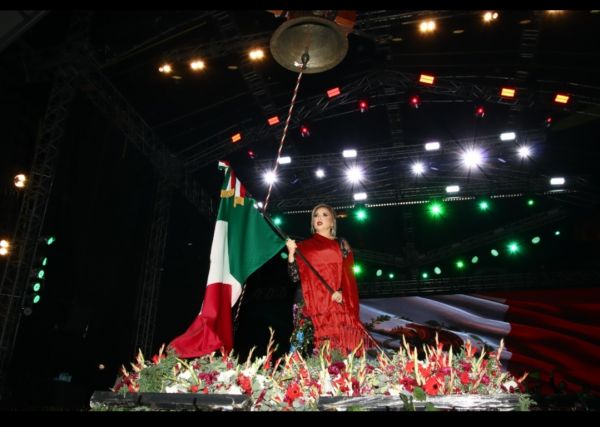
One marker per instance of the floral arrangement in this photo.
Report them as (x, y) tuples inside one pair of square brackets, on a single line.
[(296, 383)]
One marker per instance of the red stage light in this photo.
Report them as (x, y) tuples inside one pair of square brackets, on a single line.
[(273, 120), (363, 106), (415, 101), (480, 112), (304, 131), (333, 92)]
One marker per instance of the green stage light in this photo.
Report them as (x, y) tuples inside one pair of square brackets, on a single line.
[(436, 209), (513, 247), (437, 270), (484, 205), (536, 240), (460, 264), (284, 255), (277, 220), (41, 274), (391, 275), (37, 286), (36, 299), (50, 240), (424, 275), (494, 252), (557, 233), (475, 259), (530, 202), (357, 269), (361, 215), (379, 273), (44, 261)]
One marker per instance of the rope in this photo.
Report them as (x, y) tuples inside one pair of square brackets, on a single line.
[(305, 59), (237, 314)]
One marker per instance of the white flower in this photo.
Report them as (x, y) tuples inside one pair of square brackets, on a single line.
[(185, 375), (261, 379), (226, 376), (175, 388), (234, 389)]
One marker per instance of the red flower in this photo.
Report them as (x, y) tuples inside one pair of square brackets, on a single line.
[(245, 383), (355, 387), (194, 389), (466, 366), (485, 380), (336, 367), (292, 393), (464, 378), (408, 383), (432, 386)]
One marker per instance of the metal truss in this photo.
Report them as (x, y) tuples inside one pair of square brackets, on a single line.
[(149, 285), (387, 87), (114, 105), (32, 213), (470, 284)]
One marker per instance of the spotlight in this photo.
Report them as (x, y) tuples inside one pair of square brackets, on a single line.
[(524, 151), (236, 138), (251, 154), (270, 177), (415, 101), (548, 121), (20, 180), (561, 98), (320, 173), (333, 92), (273, 120), (479, 112), (418, 168), (304, 132), (507, 92), (363, 105), (426, 79), (354, 174), (197, 65)]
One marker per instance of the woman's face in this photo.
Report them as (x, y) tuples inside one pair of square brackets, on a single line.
[(322, 221)]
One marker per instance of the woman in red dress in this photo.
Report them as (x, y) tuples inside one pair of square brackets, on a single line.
[(333, 309)]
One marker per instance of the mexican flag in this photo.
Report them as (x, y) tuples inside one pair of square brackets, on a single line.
[(553, 334), (242, 242)]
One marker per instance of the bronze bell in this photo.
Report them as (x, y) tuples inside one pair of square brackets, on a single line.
[(322, 39)]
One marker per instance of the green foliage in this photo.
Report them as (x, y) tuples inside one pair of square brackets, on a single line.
[(153, 378)]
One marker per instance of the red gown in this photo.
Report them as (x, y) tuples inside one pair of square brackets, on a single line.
[(338, 323)]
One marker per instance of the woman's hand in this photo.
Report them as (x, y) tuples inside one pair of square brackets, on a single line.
[(291, 246), (337, 297)]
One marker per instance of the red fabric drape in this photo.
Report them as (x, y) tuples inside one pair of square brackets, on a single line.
[(338, 323)]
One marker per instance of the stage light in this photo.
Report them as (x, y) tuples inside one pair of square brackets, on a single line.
[(452, 189), (479, 112), (508, 136), (391, 275), (304, 131), (349, 153), (424, 275), (415, 101), (357, 268), (507, 92), (270, 177), (3, 251), (557, 233), (360, 196), (530, 202), (472, 158), (557, 181), (426, 79), (165, 69), (379, 273), (536, 240), (436, 209), (561, 98), (333, 92), (277, 220), (460, 264), (513, 247), (484, 205), (363, 105), (251, 154), (49, 240), (427, 26), (494, 252), (320, 173), (524, 151), (20, 180), (197, 65), (418, 168), (283, 255), (273, 120), (432, 146), (285, 160), (237, 137), (354, 174), (475, 259), (256, 54), (548, 121), (490, 16), (437, 270)]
